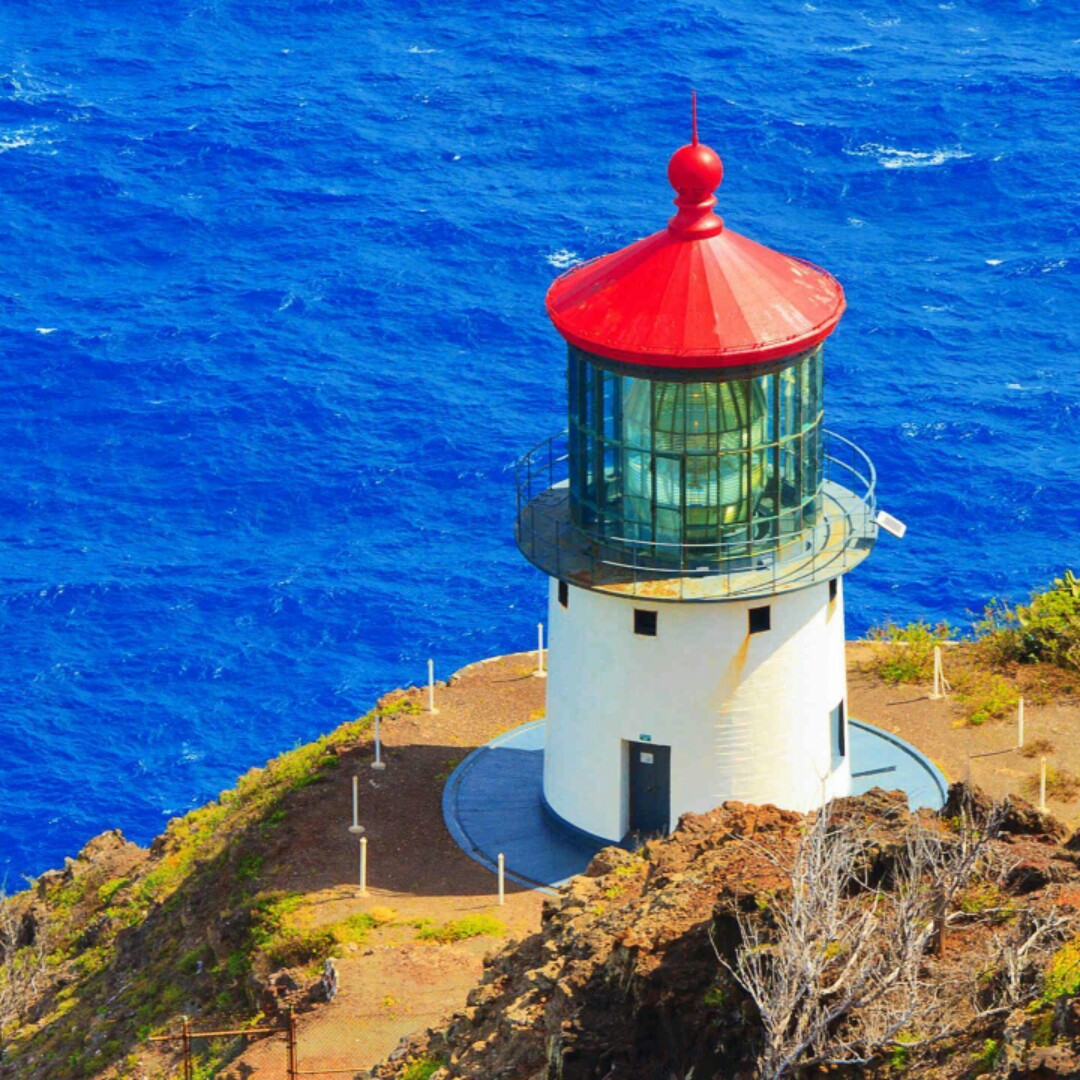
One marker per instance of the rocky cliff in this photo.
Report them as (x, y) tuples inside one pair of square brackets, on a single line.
[(948, 950)]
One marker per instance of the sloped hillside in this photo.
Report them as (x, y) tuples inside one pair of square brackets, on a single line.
[(755, 942)]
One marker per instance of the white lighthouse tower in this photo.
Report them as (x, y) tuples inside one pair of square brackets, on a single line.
[(696, 520)]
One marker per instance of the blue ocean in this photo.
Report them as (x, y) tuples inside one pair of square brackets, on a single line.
[(273, 334)]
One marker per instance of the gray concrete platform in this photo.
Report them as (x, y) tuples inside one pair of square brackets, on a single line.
[(493, 801)]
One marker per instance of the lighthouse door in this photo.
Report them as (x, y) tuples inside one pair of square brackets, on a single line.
[(650, 787)]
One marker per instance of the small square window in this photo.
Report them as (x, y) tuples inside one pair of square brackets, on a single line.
[(564, 594), (644, 622), (760, 619), (833, 589)]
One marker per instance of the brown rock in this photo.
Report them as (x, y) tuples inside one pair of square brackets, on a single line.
[(608, 859), (1049, 1063)]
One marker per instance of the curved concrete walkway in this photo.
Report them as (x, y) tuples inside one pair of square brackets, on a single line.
[(493, 801)]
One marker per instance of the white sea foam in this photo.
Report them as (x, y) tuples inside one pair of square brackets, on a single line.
[(994, 262), (890, 157), (45, 329), (14, 141), (417, 51), (563, 259)]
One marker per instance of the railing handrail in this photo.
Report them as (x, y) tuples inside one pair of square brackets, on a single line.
[(792, 551), (543, 449)]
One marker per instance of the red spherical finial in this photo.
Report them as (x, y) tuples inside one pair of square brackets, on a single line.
[(695, 172), (695, 169)]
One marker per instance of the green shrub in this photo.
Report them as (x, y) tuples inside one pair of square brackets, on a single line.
[(460, 929), (909, 654), (982, 897), (1046, 629), (293, 948), (988, 1056), (422, 1068), (250, 866), (111, 888), (355, 929), (985, 696), (1063, 975)]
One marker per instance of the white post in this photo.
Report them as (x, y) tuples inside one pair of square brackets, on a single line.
[(431, 687), (540, 673), (502, 879), (1020, 724), (935, 694), (378, 763), (1042, 787), (357, 830), (355, 801)]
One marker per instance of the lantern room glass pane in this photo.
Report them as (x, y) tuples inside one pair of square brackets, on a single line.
[(717, 469)]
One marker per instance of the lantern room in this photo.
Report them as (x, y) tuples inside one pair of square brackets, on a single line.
[(729, 467)]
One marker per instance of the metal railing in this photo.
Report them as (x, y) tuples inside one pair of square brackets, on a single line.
[(783, 551)]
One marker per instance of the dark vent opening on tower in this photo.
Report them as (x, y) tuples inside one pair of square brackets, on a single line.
[(839, 737), (760, 619), (832, 589), (564, 594), (644, 622)]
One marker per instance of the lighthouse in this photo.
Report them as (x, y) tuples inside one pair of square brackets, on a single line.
[(696, 520)]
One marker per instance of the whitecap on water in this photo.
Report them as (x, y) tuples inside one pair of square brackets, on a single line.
[(563, 259), (45, 329), (890, 157)]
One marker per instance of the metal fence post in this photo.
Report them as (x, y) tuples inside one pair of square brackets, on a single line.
[(290, 1036), (185, 1046)]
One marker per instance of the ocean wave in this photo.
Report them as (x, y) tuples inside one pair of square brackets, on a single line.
[(891, 157), (563, 259)]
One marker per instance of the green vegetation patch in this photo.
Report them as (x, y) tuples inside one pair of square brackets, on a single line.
[(423, 1068), (909, 653), (1063, 974), (461, 929), (987, 1058), (1045, 630)]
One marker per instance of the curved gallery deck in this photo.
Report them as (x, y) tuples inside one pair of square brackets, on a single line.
[(493, 801)]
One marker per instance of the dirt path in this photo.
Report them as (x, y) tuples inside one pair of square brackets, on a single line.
[(988, 753), (393, 983)]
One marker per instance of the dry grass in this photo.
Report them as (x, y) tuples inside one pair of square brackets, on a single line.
[(1038, 748), (1060, 784)]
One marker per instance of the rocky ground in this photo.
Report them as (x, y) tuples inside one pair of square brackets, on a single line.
[(624, 981)]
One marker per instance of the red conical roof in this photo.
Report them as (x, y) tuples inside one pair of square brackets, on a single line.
[(695, 295)]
